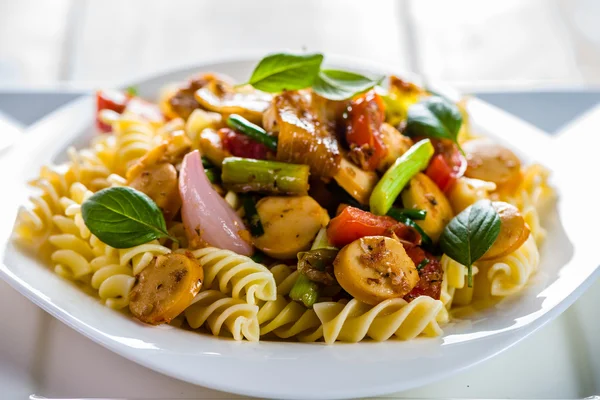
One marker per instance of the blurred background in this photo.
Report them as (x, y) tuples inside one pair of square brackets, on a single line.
[(473, 44)]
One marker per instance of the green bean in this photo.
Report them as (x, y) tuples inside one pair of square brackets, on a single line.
[(251, 130), (272, 177), (305, 290), (398, 175)]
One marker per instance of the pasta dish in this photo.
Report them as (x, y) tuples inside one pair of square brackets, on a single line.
[(306, 204)]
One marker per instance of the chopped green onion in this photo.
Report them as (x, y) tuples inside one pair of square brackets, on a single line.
[(212, 174), (272, 177), (412, 213), (398, 175), (206, 163), (305, 291), (423, 263), (256, 228), (251, 130), (425, 239)]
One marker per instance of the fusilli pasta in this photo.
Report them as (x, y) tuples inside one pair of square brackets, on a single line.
[(236, 275), (353, 321), (219, 311)]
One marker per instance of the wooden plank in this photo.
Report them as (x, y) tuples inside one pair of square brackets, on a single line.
[(122, 40)]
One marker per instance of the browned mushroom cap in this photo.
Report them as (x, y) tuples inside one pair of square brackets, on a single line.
[(165, 288), (159, 182), (513, 231), (491, 162), (224, 98)]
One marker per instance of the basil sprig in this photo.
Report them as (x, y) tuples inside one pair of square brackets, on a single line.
[(334, 84), (123, 217), (470, 234), (434, 117), (278, 72), (283, 71)]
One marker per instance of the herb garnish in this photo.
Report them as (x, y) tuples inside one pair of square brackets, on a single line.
[(123, 217), (470, 234), (284, 71), (434, 117)]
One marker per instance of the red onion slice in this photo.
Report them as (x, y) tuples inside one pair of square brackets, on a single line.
[(206, 215)]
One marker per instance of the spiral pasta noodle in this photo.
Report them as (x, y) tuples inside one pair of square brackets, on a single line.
[(236, 275), (510, 273), (134, 138), (224, 315), (354, 321)]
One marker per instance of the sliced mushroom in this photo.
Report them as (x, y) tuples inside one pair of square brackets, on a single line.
[(155, 174), (490, 161), (513, 231), (424, 194), (222, 97), (290, 224), (165, 288), (375, 268)]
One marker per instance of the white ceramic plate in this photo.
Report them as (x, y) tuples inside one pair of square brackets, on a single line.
[(570, 261)]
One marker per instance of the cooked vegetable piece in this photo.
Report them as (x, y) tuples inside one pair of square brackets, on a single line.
[(220, 96), (353, 223), (155, 174), (207, 217), (211, 146), (113, 100), (240, 145), (256, 228), (165, 288), (447, 165), (395, 143), (423, 194), (315, 266), (402, 217), (305, 291), (468, 191), (304, 136), (399, 97), (364, 118), (375, 268), (248, 175), (513, 231), (490, 161), (412, 213), (182, 103), (251, 130), (160, 183), (431, 274), (290, 225), (398, 175), (356, 182)]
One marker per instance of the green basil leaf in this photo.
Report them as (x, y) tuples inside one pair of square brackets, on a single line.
[(434, 117), (123, 217), (282, 71), (340, 85), (471, 233)]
